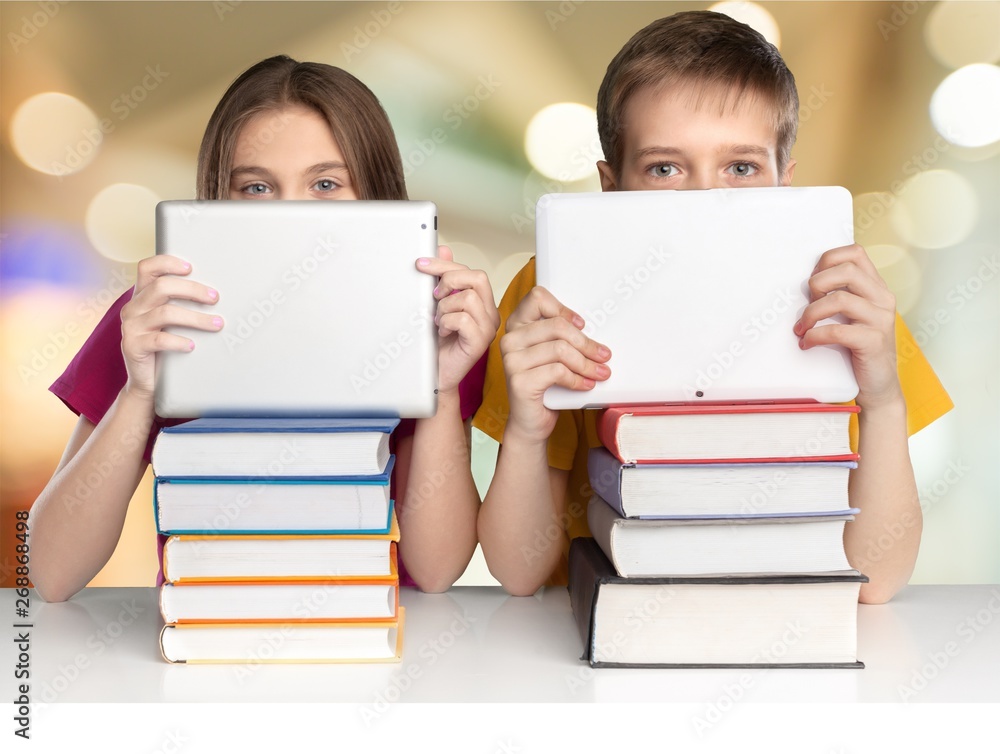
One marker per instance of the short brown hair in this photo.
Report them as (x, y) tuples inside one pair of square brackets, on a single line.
[(357, 120), (698, 47)]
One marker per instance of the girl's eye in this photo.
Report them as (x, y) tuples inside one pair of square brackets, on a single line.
[(743, 169), (256, 188), (325, 184), (663, 171)]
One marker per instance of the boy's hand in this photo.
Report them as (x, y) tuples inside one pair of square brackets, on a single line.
[(544, 346), (466, 316), (845, 282)]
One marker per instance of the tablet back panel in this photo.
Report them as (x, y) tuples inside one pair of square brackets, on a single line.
[(325, 312), (696, 292)]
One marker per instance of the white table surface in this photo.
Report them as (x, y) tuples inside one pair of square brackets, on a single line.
[(476, 644)]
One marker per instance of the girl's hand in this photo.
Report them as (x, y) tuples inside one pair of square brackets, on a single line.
[(466, 316), (544, 345), (845, 282), (158, 280)]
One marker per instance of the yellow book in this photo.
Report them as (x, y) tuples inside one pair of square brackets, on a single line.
[(275, 643)]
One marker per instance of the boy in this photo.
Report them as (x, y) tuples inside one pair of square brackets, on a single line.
[(695, 101)]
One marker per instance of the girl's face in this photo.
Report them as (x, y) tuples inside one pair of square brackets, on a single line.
[(289, 154)]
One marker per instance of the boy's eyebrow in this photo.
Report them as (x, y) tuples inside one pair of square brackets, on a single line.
[(744, 149), (752, 149)]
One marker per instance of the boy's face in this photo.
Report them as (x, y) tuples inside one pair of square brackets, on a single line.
[(670, 141)]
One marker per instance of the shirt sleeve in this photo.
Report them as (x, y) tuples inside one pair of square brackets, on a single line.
[(925, 396)]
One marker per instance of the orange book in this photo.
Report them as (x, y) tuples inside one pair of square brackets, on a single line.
[(347, 599), (247, 558), (727, 433), (256, 643)]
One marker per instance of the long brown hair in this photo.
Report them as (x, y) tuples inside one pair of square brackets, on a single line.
[(356, 118), (705, 48)]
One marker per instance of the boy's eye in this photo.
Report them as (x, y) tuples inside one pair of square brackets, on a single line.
[(743, 169), (663, 171)]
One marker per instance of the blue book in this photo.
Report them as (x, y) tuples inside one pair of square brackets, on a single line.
[(721, 490), (273, 448), (290, 505)]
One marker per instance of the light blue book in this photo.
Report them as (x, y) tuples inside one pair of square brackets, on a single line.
[(721, 490)]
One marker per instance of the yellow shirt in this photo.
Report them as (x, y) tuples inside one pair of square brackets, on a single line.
[(575, 434)]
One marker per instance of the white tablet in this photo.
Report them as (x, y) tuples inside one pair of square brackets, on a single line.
[(696, 292), (325, 312)]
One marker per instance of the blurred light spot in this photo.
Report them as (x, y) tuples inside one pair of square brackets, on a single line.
[(965, 108), (901, 273), (958, 34), (754, 16), (34, 252), (871, 218), (121, 222), (505, 270), (561, 141), (935, 209), (55, 133)]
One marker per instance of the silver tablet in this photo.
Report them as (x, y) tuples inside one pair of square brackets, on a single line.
[(325, 312), (696, 292)]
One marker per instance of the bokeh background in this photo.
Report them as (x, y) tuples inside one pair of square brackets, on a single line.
[(102, 106)]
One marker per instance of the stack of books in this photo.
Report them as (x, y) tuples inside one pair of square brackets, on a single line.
[(281, 541), (717, 538)]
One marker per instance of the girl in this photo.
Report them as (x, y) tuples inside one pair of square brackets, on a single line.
[(283, 130)]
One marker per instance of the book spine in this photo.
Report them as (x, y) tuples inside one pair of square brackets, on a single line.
[(605, 473)]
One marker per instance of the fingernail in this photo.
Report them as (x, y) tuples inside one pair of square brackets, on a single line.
[(797, 328), (588, 383), (423, 262), (578, 321), (436, 290), (217, 323), (213, 294), (191, 346), (603, 370), (186, 265), (603, 351), (802, 343)]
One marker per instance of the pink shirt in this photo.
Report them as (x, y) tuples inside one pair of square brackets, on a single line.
[(96, 375)]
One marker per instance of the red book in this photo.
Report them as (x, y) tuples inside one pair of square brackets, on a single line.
[(730, 433)]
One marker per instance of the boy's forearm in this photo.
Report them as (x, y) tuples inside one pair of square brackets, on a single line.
[(438, 513), (77, 520), (883, 541), (518, 517)]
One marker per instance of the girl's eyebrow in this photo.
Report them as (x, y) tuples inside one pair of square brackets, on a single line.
[(249, 169), (324, 166)]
